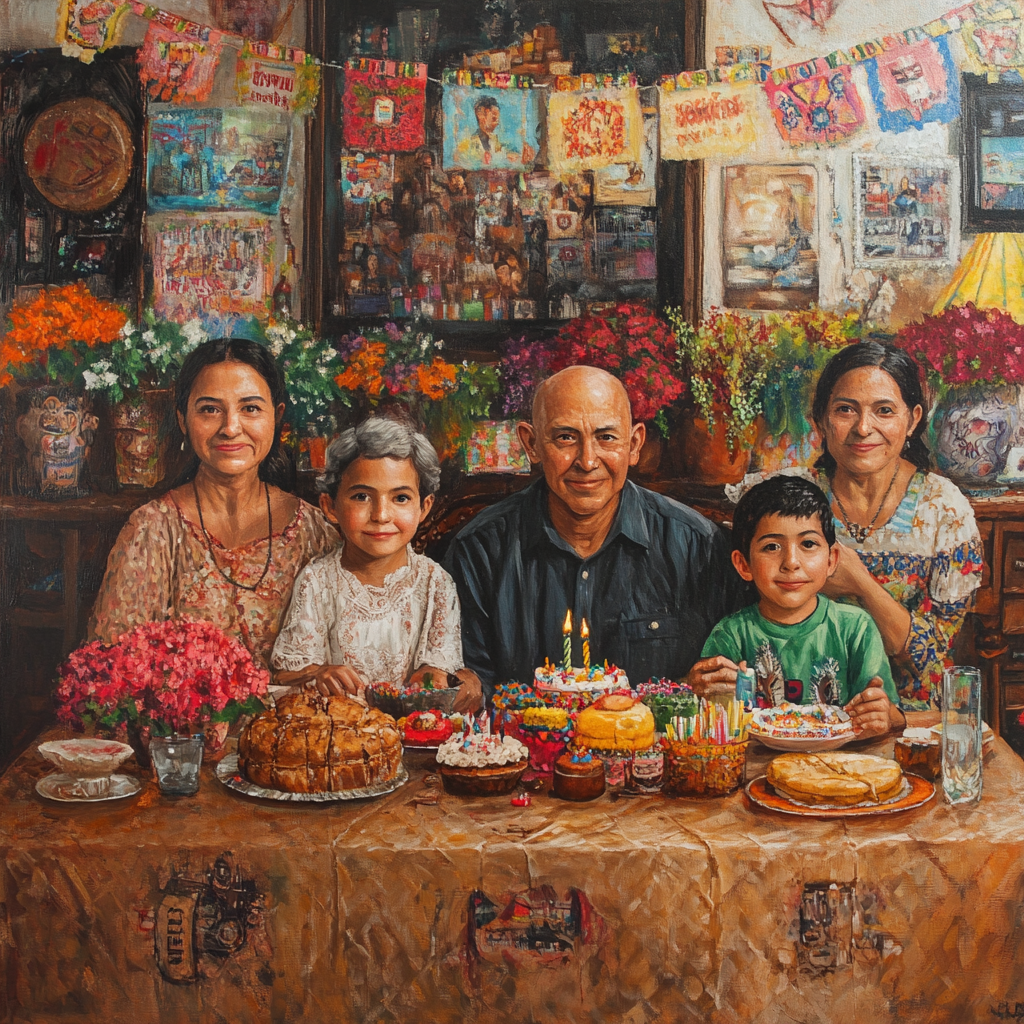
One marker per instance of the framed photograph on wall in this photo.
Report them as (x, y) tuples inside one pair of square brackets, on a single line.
[(993, 155), (906, 212)]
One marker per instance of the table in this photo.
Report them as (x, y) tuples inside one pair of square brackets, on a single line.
[(636, 908)]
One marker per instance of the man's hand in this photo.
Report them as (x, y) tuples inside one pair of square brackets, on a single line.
[(340, 681), (713, 676), (872, 713), (438, 679), (471, 692)]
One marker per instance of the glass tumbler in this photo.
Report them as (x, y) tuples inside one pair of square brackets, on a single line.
[(961, 734), (176, 761)]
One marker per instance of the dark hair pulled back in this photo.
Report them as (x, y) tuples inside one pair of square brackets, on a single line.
[(903, 370), (277, 468)]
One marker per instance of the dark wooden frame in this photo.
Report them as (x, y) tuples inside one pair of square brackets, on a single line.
[(680, 196), (979, 96)]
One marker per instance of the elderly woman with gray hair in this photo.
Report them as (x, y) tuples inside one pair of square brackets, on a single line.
[(373, 610)]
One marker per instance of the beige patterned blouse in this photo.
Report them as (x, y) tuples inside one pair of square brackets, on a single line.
[(160, 568)]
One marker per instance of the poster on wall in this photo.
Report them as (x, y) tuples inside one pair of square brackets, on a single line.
[(490, 129), (912, 85), (994, 40), (820, 105), (383, 111), (212, 267), (179, 67), (770, 236), (709, 123), (633, 184), (906, 211), (594, 128), (213, 159)]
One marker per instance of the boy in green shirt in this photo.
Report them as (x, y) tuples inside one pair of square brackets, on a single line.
[(804, 647)]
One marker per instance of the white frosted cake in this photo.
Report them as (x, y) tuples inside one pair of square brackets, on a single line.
[(600, 679)]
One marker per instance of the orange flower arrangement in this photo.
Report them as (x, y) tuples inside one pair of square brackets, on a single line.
[(363, 372), (436, 380), (53, 331)]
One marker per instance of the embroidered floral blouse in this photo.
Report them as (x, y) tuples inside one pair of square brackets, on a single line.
[(928, 557), (160, 568), (385, 633)]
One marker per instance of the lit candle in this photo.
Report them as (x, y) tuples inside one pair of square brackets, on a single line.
[(567, 639), (585, 633)]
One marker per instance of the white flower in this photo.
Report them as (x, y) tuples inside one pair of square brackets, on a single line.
[(128, 330), (101, 365), (92, 381), (194, 333), (149, 337)]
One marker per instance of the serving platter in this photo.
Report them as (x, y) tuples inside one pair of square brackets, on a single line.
[(803, 744), (915, 793), (227, 772), (67, 789)]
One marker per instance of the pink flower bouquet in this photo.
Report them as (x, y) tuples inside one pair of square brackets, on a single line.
[(168, 676)]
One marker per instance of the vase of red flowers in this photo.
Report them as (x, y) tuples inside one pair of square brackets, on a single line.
[(176, 677), (974, 360)]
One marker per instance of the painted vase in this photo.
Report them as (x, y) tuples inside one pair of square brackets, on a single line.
[(705, 454), (972, 429), (57, 429), (140, 438)]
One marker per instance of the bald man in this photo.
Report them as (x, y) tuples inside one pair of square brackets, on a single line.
[(650, 576)]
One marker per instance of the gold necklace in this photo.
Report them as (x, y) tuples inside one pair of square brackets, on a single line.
[(861, 533)]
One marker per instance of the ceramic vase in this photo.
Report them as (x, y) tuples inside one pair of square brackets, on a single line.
[(140, 438), (972, 429), (57, 430), (705, 454)]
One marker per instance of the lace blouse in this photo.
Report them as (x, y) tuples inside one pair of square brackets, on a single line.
[(385, 633), (160, 568)]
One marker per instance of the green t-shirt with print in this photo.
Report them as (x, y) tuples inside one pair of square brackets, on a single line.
[(840, 641)]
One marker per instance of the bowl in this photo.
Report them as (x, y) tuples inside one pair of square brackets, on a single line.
[(405, 703), (803, 744), (86, 758), (497, 781)]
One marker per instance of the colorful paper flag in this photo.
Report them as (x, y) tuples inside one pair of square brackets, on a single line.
[(912, 85), (383, 111), (88, 27), (282, 85), (699, 124), (994, 40), (815, 104), (176, 68), (592, 129)]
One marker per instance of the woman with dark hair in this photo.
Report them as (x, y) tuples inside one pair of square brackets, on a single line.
[(226, 543), (910, 552)]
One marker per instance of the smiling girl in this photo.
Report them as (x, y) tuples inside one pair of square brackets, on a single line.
[(374, 610)]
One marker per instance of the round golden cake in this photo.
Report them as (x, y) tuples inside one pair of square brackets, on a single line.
[(314, 744), (615, 722), (835, 777)]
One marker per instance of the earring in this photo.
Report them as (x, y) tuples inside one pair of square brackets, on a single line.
[(906, 446), (183, 444)]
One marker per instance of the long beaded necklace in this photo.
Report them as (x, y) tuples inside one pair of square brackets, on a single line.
[(209, 543), (861, 533)]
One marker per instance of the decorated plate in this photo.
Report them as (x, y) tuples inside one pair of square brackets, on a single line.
[(800, 728), (802, 744), (67, 789), (227, 772), (915, 793)]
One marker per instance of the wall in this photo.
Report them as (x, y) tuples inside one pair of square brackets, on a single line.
[(30, 24), (738, 22)]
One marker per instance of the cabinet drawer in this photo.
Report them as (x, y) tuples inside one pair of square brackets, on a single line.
[(1013, 565)]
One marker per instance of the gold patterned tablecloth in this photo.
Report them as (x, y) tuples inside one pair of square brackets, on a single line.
[(627, 909)]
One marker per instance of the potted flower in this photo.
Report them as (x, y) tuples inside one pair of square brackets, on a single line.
[(392, 368), (161, 679), (50, 342), (727, 358), (136, 373), (803, 340), (974, 360)]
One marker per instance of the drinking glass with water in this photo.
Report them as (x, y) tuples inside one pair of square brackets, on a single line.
[(961, 734), (177, 760)]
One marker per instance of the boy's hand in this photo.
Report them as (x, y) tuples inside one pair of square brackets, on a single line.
[(711, 676), (340, 681), (872, 713)]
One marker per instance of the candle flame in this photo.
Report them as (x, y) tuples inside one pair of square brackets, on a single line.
[(567, 626), (583, 628)]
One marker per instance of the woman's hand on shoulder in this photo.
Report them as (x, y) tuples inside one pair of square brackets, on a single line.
[(872, 713), (851, 577)]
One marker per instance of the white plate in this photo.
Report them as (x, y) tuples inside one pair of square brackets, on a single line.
[(66, 789), (803, 744), (227, 772)]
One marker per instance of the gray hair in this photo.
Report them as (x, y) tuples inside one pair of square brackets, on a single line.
[(381, 438)]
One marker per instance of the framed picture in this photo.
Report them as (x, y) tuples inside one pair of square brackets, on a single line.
[(770, 235), (993, 155), (905, 211)]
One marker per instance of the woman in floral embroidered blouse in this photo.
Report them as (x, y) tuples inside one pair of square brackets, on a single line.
[(227, 544), (911, 553)]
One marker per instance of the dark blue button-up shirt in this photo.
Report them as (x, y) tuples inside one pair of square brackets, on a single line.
[(650, 595)]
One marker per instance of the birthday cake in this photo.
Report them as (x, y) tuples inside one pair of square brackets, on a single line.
[(802, 721), (597, 679), (578, 776), (616, 721), (425, 728), (480, 764)]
